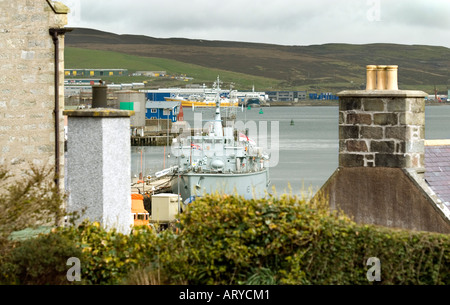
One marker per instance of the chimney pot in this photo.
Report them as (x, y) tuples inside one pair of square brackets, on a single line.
[(99, 96), (392, 79), (381, 77), (371, 77)]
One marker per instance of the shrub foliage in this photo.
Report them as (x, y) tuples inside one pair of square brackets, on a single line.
[(228, 240), (223, 239)]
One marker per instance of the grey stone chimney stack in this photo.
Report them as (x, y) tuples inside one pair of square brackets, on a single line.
[(99, 166), (380, 179), (382, 126)]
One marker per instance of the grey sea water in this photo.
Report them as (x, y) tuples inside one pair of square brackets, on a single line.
[(307, 149)]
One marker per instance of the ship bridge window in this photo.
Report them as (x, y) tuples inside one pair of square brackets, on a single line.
[(142, 217)]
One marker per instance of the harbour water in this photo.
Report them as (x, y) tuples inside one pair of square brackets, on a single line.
[(307, 149)]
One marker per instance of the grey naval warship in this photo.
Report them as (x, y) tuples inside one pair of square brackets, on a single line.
[(220, 160)]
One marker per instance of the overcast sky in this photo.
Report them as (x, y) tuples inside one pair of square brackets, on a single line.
[(285, 22)]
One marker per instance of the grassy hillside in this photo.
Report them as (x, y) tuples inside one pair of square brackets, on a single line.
[(95, 59), (329, 67)]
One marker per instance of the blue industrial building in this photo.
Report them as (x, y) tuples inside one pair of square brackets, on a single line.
[(323, 96), (157, 96), (162, 110)]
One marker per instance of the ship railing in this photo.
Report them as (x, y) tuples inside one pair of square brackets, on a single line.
[(228, 171)]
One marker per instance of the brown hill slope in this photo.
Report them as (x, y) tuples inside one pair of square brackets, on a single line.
[(335, 65)]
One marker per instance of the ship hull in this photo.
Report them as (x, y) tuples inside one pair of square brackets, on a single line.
[(253, 103), (249, 185), (188, 103), (207, 104)]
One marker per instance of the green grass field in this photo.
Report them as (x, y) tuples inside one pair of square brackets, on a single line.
[(76, 58), (328, 68)]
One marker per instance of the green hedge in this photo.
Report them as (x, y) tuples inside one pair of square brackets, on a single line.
[(285, 240), (108, 256), (39, 261), (228, 240)]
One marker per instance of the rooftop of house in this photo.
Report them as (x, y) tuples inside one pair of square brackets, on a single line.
[(161, 105), (437, 168), (58, 7)]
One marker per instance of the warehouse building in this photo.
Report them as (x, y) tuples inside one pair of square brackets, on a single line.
[(162, 110), (95, 72), (286, 96)]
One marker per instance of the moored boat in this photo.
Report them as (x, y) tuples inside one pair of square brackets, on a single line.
[(208, 99), (223, 160)]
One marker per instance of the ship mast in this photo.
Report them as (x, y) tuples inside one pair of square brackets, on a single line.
[(218, 129)]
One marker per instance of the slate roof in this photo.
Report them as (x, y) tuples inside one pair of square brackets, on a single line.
[(437, 168)]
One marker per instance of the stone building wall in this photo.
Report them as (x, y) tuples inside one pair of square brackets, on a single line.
[(27, 84), (380, 178)]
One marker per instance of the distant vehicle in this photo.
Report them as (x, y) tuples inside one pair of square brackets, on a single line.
[(141, 216)]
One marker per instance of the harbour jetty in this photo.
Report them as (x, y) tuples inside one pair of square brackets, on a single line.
[(159, 138), (156, 139), (151, 185)]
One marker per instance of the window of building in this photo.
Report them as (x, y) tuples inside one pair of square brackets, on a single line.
[(142, 217)]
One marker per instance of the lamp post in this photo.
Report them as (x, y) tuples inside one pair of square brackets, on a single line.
[(178, 181)]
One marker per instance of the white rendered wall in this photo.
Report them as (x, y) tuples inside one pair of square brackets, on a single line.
[(99, 170)]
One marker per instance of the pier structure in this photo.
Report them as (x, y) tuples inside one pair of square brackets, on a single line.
[(163, 137), (151, 140)]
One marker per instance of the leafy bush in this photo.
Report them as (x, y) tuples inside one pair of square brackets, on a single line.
[(230, 240), (30, 200), (40, 261), (27, 202), (108, 256)]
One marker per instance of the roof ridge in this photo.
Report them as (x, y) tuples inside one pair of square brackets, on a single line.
[(437, 142)]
